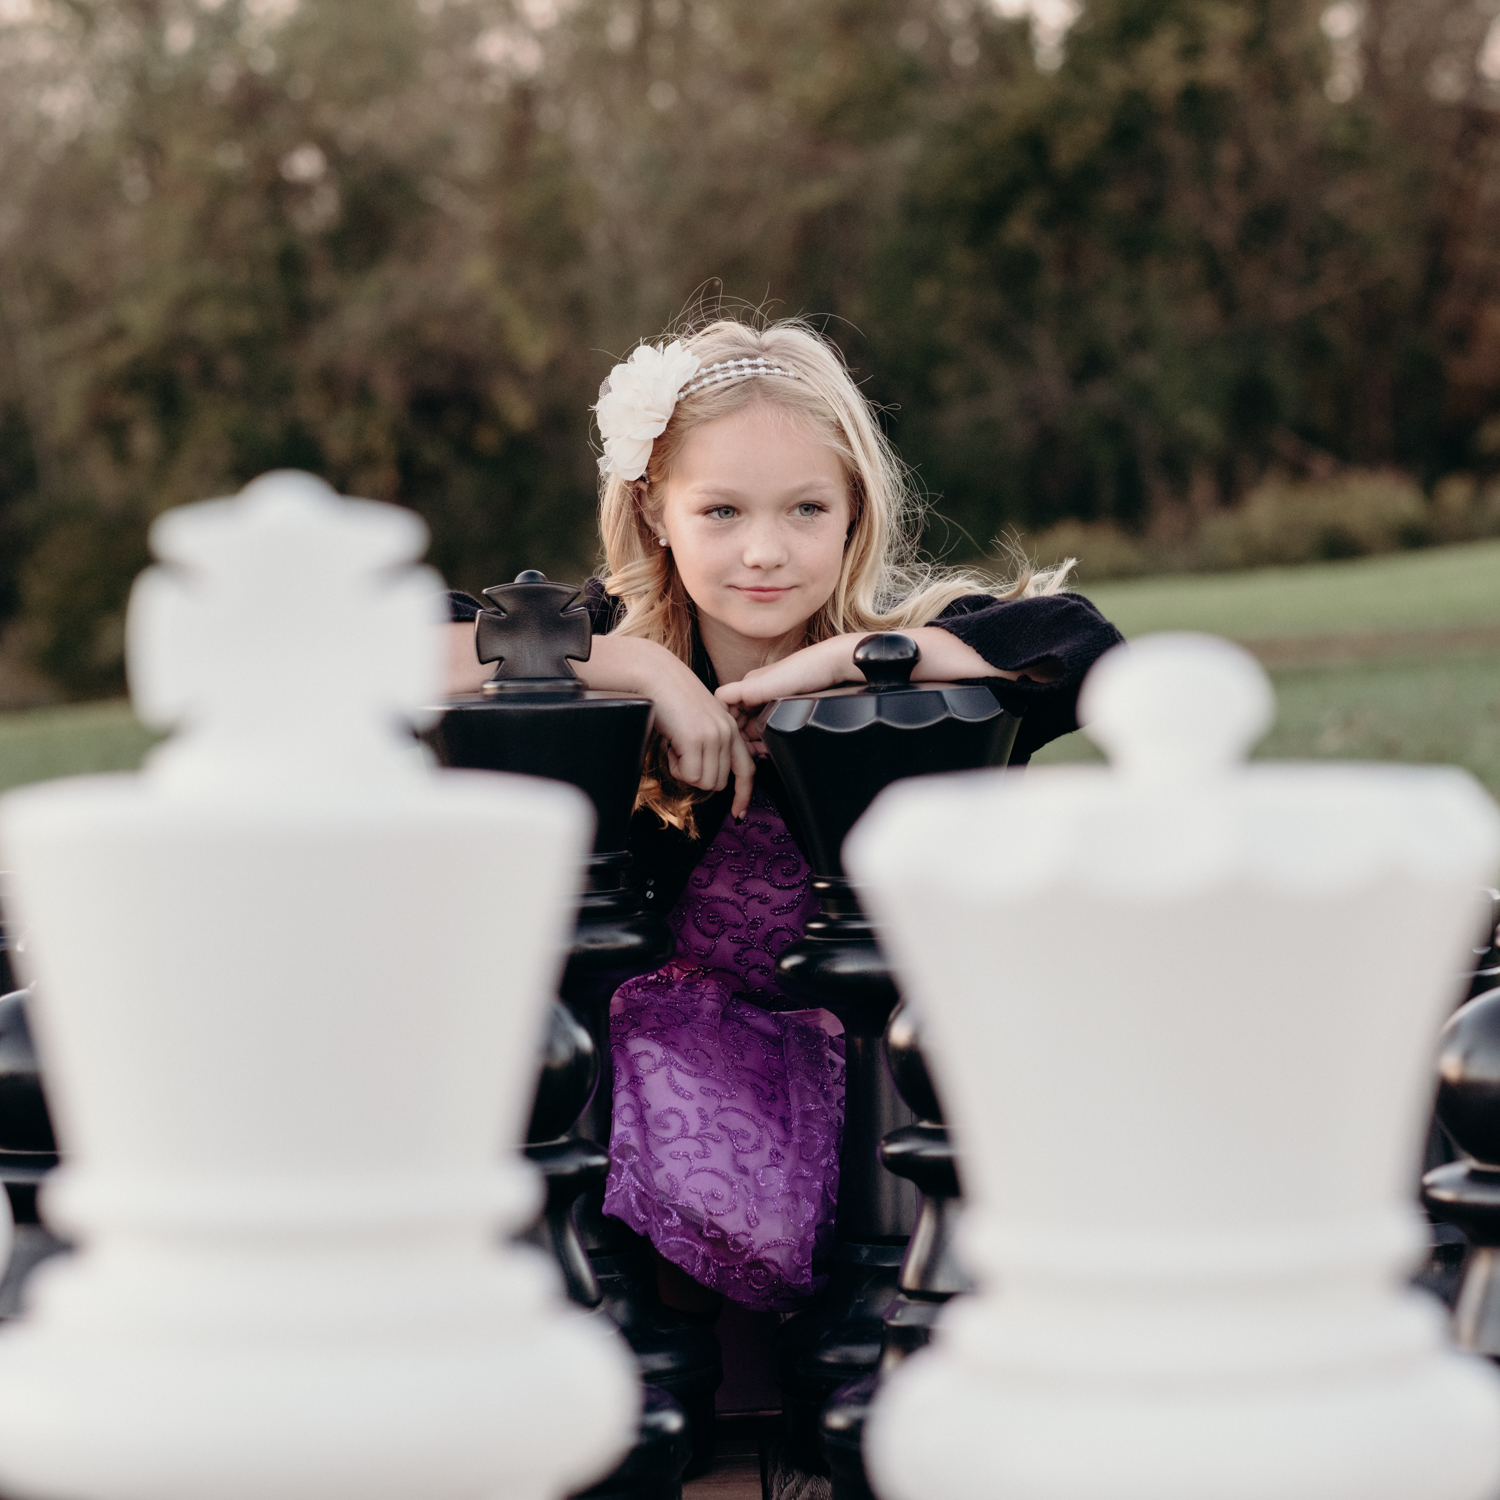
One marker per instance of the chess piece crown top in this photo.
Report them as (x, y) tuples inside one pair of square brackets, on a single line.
[(886, 696), (533, 629), (1178, 811), (281, 638)]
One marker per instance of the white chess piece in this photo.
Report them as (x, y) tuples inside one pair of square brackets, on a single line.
[(1181, 1014), (291, 984)]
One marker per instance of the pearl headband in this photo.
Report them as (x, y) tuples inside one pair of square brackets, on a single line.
[(736, 369), (637, 401)]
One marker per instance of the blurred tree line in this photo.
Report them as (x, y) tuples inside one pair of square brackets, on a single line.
[(1118, 275)]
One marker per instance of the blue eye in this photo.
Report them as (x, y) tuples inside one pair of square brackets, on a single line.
[(722, 513), (810, 508)]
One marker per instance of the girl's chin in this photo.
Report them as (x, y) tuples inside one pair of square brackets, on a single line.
[(763, 624)]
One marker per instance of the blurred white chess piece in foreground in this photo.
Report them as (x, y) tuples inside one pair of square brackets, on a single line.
[(1181, 1014), (291, 984)]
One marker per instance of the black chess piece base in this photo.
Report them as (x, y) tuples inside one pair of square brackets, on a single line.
[(33, 1244), (676, 1353), (654, 1467), (27, 1150), (833, 1342), (1467, 1196), (908, 1325), (1476, 1314)]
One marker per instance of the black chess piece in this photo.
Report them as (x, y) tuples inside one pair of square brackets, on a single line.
[(531, 631), (930, 1273), (546, 723), (535, 717), (1442, 1271), (835, 751), (652, 1470), (1466, 1193), (1486, 972), (569, 1164), (923, 1154), (9, 982), (28, 1150)]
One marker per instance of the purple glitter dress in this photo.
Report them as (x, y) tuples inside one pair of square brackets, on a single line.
[(724, 1150)]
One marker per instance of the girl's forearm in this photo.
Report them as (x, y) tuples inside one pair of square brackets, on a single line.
[(621, 665), (945, 657), (627, 664), (463, 672), (830, 662)]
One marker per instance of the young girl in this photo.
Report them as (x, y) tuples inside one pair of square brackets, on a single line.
[(757, 525)]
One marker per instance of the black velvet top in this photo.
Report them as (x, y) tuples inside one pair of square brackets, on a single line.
[(1063, 631)]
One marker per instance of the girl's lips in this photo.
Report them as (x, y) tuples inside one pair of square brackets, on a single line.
[(760, 593)]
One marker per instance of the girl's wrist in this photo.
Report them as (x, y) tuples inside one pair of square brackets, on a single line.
[(841, 657)]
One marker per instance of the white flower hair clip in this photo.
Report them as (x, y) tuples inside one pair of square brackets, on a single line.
[(636, 403), (638, 399)]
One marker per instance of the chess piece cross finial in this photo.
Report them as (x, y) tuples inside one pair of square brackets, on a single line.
[(533, 629)]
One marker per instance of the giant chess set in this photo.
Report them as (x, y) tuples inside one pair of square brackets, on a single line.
[(1171, 1155)]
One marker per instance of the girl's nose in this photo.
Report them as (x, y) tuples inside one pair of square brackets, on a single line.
[(765, 546)]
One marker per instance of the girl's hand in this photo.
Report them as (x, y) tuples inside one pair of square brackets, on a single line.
[(704, 744), (809, 670)]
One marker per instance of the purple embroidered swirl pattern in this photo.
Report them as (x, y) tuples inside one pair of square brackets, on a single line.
[(749, 897), (724, 1148)]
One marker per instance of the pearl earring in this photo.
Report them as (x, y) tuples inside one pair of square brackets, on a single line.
[(661, 541)]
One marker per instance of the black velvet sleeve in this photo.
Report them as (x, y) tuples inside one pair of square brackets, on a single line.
[(1062, 632), (605, 611), (462, 606)]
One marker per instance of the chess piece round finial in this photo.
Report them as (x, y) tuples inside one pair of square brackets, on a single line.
[(887, 658), (570, 1068), (1466, 1193), (1177, 703), (530, 575), (569, 1166), (904, 1054), (26, 1139), (1468, 1098), (923, 1154)]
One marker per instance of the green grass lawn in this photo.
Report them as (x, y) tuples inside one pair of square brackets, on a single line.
[(1424, 681), (86, 737), (1422, 684), (1438, 590)]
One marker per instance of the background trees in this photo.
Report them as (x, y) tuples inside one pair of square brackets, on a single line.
[(401, 241)]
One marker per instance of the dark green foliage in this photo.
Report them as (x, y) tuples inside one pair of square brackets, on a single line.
[(400, 243)]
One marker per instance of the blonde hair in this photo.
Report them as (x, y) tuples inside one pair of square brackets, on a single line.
[(884, 585)]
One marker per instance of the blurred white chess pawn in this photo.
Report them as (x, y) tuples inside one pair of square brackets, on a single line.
[(1181, 1013), (291, 985)]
